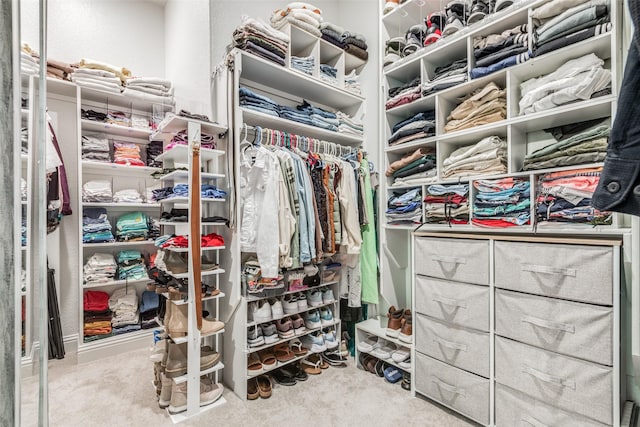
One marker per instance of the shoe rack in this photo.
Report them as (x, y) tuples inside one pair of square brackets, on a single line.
[(183, 308)]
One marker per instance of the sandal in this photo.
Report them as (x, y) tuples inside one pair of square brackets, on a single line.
[(311, 368), (316, 358), (283, 353), (254, 365), (267, 359), (297, 348), (253, 391), (264, 386)]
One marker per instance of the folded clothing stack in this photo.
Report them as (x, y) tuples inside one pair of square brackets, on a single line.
[(127, 153), (576, 80), (404, 94), (577, 144), (502, 203), (304, 64), (132, 226), (351, 42), (416, 168), (329, 74), (23, 189), (23, 232), (332, 33), (152, 89), (119, 118), (154, 228), (349, 125), (253, 101), (498, 51), (59, 70), (421, 125), (129, 195), (484, 105), (182, 138), (97, 316), (100, 268), (124, 305), (299, 14), (404, 207), (149, 304), (207, 191), (173, 241), (447, 204), (140, 122), (319, 117), (131, 265), (261, 40), (487, 157), (24, 140), (29, 64), (352, 82), (154, 149), (100, 75), (96, 116), (561, 23), (446, 76), (97, 191), (566, 197), (96, 148), (95, 226)]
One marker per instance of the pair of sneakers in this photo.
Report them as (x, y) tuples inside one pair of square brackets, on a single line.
[(317, 318), (263, 334), (320, 341), (265, 310), (294, 303)]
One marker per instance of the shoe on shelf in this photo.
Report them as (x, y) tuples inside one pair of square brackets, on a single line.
[(392, 374), (385, 350), (327, 296), (369, 343), (298, 324), (344, 344), (314, 342), (314, 298), (326, 316), (334, 358), (312, 319), (252, 389), (390, 6), (329, 336), (406, 332), (405, 364), (433, 35), (394, 324), (283, 352), (379, 367), (165, 392), (268, 359), (297, 347), (479, 10), (261, 311), (254, 336), (270, 333), (254, 365), (285, 328), (311, 367), (406, 381), (175, 263), (317, 358), (401, 354), (503, 4), (436, 19), (302, 302), (264, 386), (209, 393), (290, 304), (276, 309), (177, 326), (210, 327), (414, 39), (208, 357), (283, 378), (453, 25)]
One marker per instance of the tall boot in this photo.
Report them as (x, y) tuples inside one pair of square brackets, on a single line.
[(176, 360), (178, 325)]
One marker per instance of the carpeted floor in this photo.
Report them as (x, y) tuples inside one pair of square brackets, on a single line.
[(117, 392)]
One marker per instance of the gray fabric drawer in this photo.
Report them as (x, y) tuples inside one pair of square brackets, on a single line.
[(514, 409), (460, 390), (570, 384), (461, 260), (464, 348), (458, 303), (572, 328), (574, 272)]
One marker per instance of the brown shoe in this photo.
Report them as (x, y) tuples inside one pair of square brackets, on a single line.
[(264, 386), (395, 322), (406, 333), (252, 389)]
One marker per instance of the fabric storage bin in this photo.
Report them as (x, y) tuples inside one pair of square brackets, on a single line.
[(453, 302), (464, 348), (460, 260), (574, 272), (570, 384), (572, 328), (516, 409), (458, 389)]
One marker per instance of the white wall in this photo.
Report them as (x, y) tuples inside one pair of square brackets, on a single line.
[(126, 33)]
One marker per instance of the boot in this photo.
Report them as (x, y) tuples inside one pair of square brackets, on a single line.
[(177, 359), (210, 327), (165, 392), (177, 326), (394, 324), (209, 393), (406, 333)]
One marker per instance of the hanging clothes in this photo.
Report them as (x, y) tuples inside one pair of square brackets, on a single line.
[(368, 258)]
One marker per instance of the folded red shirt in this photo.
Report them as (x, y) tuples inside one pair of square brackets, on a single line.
[(96, 301)]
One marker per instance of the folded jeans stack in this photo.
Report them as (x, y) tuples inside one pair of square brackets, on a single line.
[(576, 80), (502, 203), (319, 117), (299, 14), (131, 265), (487, 157), (148, 309), (484, 105), (446, 76), (566, 197), (304, 64), (253, 101), (96, 148), (95, 226), (97, 316), (132, 226), (152, 89), (352, 82), (329, 74), (259, 39), (577, 144), (125, 153), (100, 268), (503, 50), (447, 204), (404, 207), (404, 94), (561, 23), (124, 305), (422, 125)]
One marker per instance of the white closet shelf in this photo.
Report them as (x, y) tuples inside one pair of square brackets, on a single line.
[(180, 154), (374, 326), (321, 285), (58, 87), (181, 174), (113, 129), (182, 340), (23, 293), (24, 112), (128, 336), (186, 200), (174, 124), (204, 273), (182, 302), (107, 168), (412, 145), (182, 416), (116, 283), (117, 244), (427, 103), (120, 101), (124, 206), (23, 202), (405, 186), (389, 361), (542, 228), (203, 224), (204, 249), (400, 227), (306, 310), (409, 13), (217, 367), (24, 157), (255, 118), (23, 248), (474, 134), (335, 322)]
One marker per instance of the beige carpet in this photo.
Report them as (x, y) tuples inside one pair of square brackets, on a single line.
[(117, 391)]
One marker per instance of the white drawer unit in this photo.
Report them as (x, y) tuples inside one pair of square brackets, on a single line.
[(458, 303), (460, 347), (453, 387), (453, 259)]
